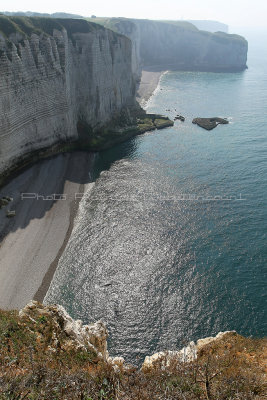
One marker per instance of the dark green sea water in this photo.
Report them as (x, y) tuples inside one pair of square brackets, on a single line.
[(171, 242)]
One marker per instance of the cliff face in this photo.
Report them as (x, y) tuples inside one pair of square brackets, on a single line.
[(131, 30), (53, 75), (178, 45)]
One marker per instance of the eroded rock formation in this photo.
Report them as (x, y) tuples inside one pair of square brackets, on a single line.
[(68, 333)]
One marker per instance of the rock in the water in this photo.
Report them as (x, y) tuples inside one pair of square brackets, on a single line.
[(209, 123), (180, 118)]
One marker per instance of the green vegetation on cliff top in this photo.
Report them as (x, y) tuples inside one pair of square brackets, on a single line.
[(222, 37), (181, 24), (115, 24), (26, 26), (36, 14), (219, 36)]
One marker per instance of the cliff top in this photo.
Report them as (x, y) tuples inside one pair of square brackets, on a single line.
[(115, 25), (26, 26), (223, 37), (114, 20), (36, 14), (45, 354), (112, 23), (181, 24)]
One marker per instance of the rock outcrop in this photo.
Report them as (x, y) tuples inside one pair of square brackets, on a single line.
[(46, 15), (210, 123), (55, 74), (68, 333), (179, 45), (71, 335)]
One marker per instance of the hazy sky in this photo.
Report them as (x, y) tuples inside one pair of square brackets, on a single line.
[(233, 12)]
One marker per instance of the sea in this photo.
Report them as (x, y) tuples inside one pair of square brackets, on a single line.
[(170, 242)]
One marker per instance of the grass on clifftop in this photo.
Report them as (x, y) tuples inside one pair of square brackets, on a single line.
[(116, 24), (125, 25), (26, 26), (35, 364), (222, 37), (182, 24)]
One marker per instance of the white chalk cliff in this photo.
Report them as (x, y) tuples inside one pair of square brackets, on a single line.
[(50, 79)]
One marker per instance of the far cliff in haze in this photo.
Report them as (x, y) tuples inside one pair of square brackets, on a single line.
[(210, 26)]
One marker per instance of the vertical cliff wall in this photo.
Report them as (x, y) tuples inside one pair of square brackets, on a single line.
[(54, 74), (130, 29)]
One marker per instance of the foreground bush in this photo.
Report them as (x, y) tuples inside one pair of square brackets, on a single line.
[(38, 361)]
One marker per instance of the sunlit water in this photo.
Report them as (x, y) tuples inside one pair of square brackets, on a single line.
[(171, 242)]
